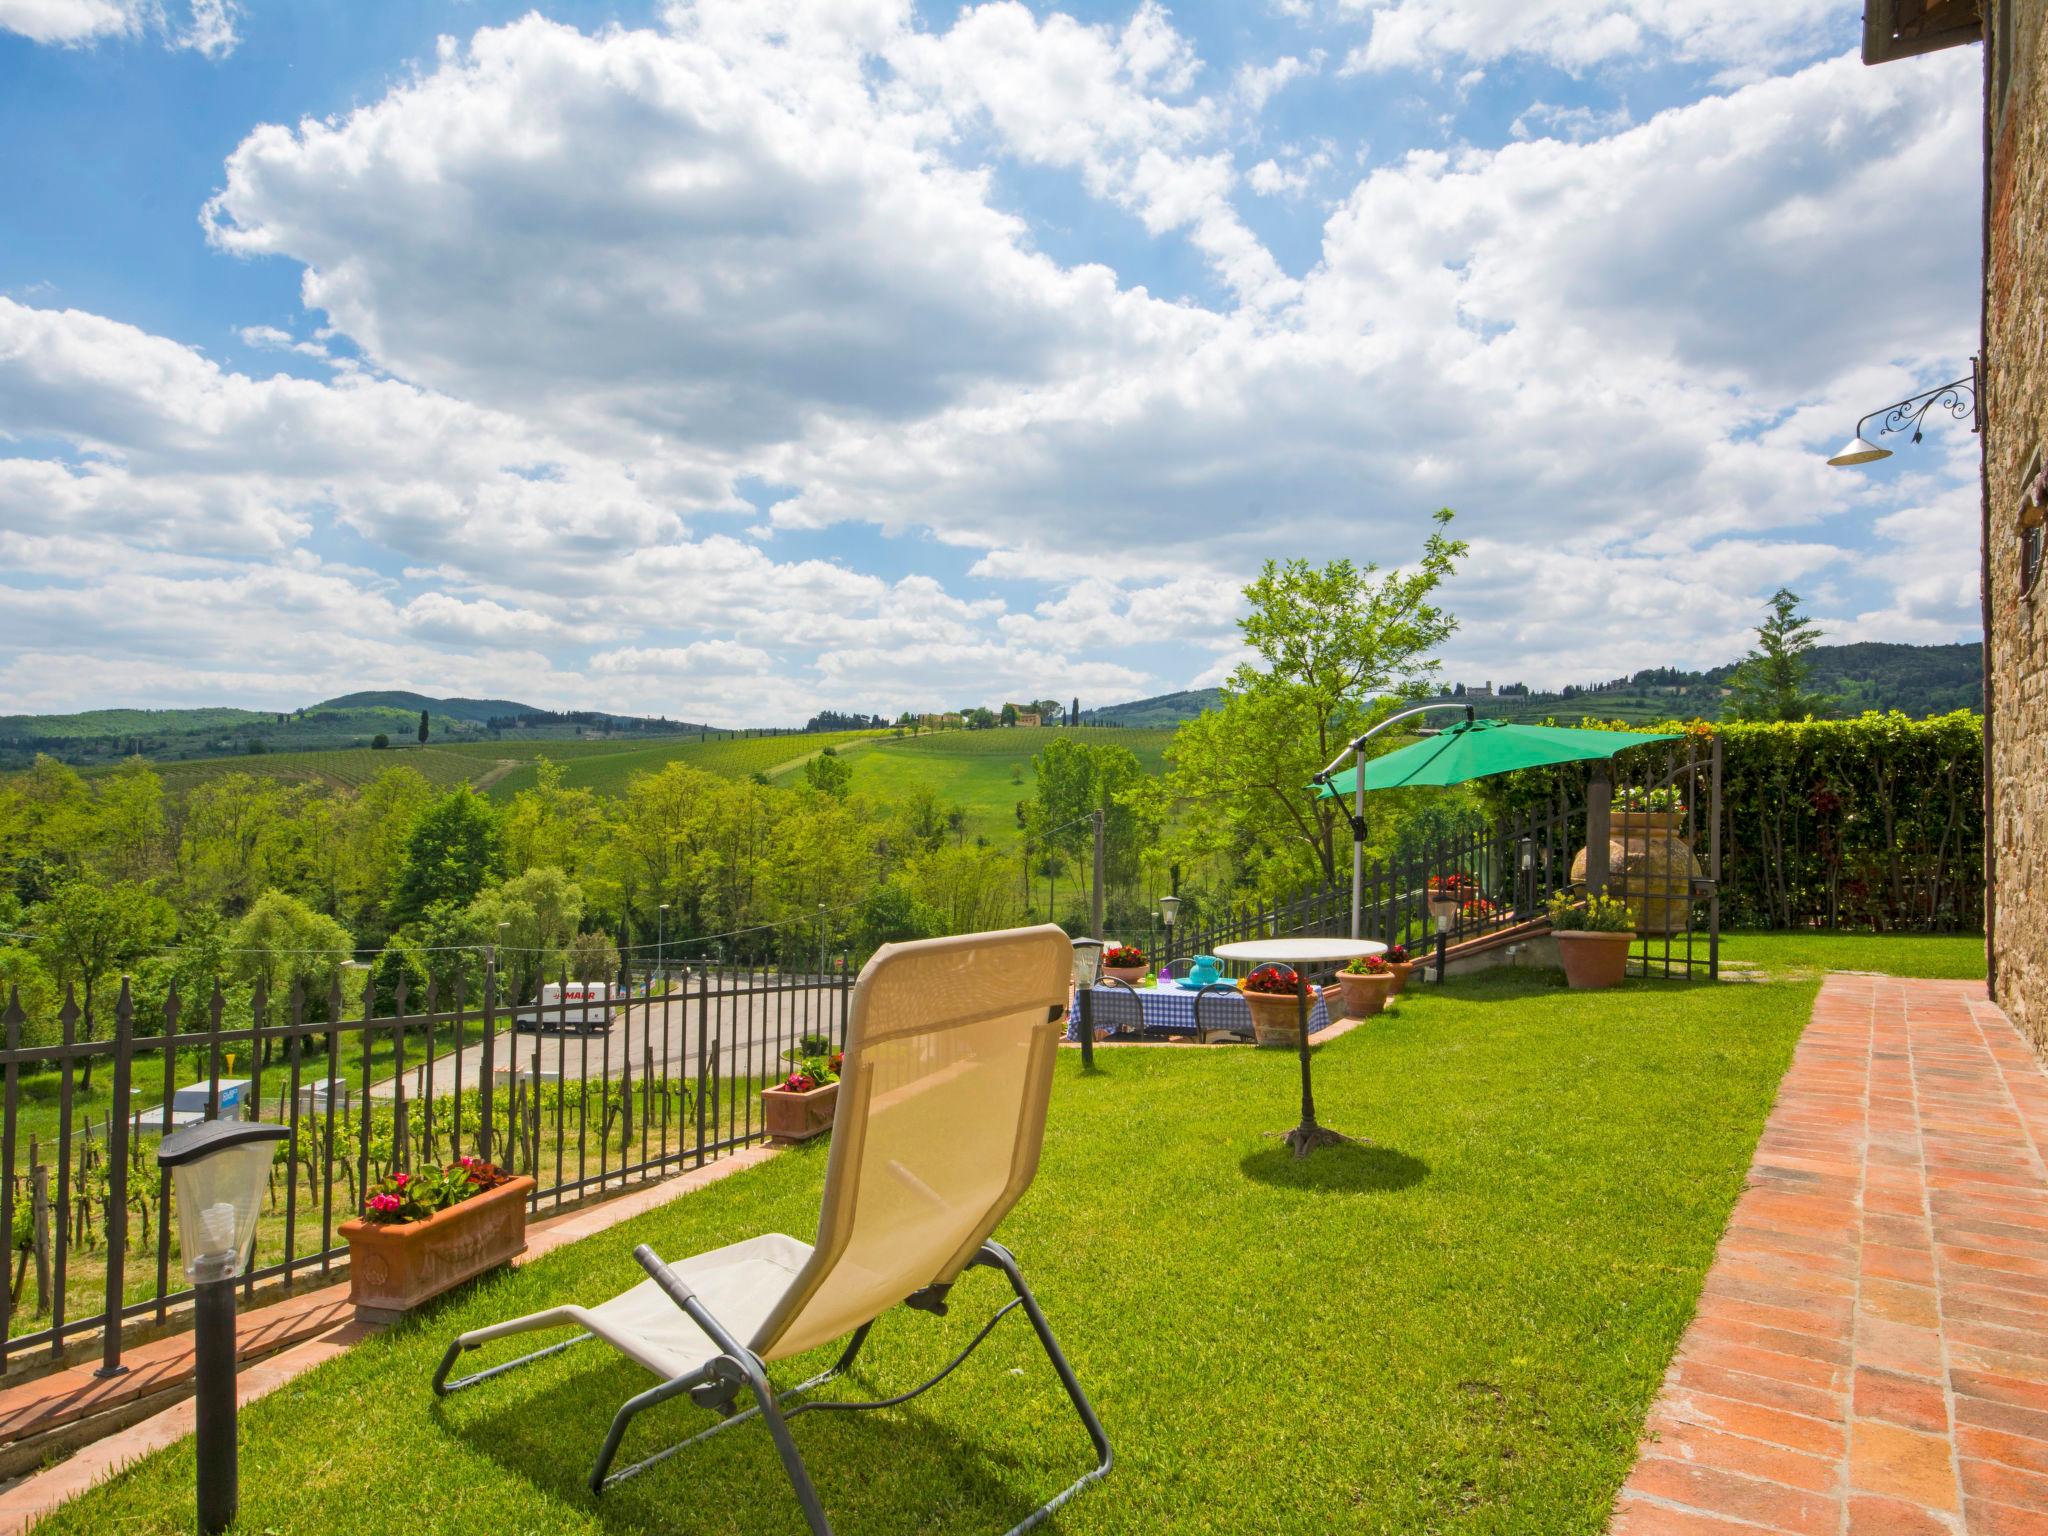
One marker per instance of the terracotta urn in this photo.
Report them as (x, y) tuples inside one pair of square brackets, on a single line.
[(1130, 973), (1365, 993), (1593, 961), (1276, 1016), (790, 1114), (1650, 866), (1401, 970), (394, 1266)]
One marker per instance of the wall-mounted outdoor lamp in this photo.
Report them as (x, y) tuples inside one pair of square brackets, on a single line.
[(220, 1171), (1959, 399)]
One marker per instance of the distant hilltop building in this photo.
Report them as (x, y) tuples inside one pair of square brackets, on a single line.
[(1027, 717)]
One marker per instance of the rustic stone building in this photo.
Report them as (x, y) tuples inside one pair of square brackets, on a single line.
[(2012, 390)]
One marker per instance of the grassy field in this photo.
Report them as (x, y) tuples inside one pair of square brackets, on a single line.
[(985, 773), (1456, 1326), (1959, 956)]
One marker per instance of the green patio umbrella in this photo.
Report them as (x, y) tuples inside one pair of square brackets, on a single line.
[(1474, 749)]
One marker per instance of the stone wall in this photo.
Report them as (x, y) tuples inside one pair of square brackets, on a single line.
[(2015, 447)]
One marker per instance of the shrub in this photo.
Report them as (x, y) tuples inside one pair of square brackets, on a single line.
[(1591, 914)]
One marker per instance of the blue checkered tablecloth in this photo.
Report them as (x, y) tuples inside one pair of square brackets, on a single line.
[(1170, 1010)]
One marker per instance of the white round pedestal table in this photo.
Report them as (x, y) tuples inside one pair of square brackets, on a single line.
[(1295, 954)]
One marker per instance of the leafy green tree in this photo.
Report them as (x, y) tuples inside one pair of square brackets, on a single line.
[(281, 942), (1334, 645), (448, 944), (376, 824), (451, 854), (887, 915), (230, 839), (829, 774), (22, 975), (1774, 680), (46, 820), (86, 931), (129, 829), (531, 918), (592, 956)]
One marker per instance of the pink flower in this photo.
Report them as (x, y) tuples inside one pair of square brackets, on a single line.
[(384, 1205), (401, 1179)]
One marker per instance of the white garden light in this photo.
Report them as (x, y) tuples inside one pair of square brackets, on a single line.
[(220, 1171)]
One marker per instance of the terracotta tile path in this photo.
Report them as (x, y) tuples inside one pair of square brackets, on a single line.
[(1870, 1355)]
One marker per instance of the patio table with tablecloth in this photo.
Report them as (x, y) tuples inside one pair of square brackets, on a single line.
[(1170, 1010)]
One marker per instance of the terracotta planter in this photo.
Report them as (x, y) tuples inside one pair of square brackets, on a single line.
[(1365, 994), (1276, 1017), (1401, 969), (792, 1116), (1593, 960), (393, 1267), (1650, 865), (1131, 973)]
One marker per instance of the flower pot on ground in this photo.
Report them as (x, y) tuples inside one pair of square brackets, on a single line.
[(1593, 938), (424, 1233), (1365, 985), (1126, 962), (1276, 1012), (1399, 963), (802, 1104)]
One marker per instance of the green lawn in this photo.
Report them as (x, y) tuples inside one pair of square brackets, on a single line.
[(1955, 955), (1458, 1327)]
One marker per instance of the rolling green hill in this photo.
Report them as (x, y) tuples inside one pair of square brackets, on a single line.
[(105, 736)]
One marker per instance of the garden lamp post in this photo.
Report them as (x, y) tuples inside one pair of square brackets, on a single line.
[(1958, 398), (1169, 908), (220, 1170)]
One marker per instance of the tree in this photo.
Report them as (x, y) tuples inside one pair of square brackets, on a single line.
[(281, 941), (531, 917), (423, 727), (1335, 647), (829, 774), (86, 930), (1009, 715), (592, 956), (451, 853), (1772, 683), (380, 742)]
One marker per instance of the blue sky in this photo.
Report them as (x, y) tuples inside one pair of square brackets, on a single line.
[(734, 360)]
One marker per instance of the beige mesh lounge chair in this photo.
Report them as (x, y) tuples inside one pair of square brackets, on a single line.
[(941, 1113)]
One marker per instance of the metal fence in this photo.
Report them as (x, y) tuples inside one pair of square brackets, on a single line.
[(584, 1094)]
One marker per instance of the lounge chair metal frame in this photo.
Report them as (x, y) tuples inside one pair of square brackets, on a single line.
[(718, 1382), (721, 1365)]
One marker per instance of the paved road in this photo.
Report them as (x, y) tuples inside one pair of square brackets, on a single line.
[(751, 1028)]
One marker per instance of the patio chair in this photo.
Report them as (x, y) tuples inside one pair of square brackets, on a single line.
[(1213, 1016), (941, 1113), (1116, 1009)]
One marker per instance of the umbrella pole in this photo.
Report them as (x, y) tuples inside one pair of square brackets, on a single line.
[(1358, 847)]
